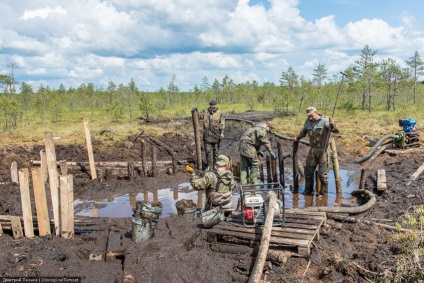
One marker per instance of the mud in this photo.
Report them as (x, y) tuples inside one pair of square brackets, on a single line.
[(179, 251)]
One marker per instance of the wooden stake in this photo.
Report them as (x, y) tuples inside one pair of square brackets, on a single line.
[(90, 150), (1, 230), (53, 178), (256, 274), (67, 206), (63, 167), (281, 163), (195, 118), (336, 167), (143, 156), (26, 202), (16, 227), (362, 180), (130, 170), (14, 172), (153, 161), (199, 199), (40, 201), (295, 172), (261, 169), (274, 170), (43, 164), (155, 196), (268, 169), (317, 180)]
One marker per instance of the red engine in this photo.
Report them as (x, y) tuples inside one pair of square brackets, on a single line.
[(248, 214)]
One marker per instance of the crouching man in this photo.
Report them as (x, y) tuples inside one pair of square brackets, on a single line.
[(219, 184)]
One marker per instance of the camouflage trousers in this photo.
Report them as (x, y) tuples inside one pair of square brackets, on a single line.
[(251, 164), (316, 157), (211, 152)]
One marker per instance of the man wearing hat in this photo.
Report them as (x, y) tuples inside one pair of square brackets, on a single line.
[(249, 148), (218, 184), (318, 128), (213, 131)]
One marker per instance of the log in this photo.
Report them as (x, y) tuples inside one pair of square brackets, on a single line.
[(336, 167), (256, 274), (362, 180)]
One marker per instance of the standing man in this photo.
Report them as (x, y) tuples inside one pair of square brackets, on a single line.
[(213, 131), (318, 127), (218, 184), (249, 148)]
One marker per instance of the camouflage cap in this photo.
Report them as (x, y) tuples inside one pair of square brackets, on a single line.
[(310, 110), (222, 160)]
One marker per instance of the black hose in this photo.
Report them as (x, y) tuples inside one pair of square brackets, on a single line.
[(374, 148)]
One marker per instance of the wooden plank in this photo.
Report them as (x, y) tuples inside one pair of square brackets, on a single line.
[(43, 164), (90, 149), (16, 227), (274, 232), (53, 179), (1, 230), (285, 224), (381, 180), (40, 201), (114, 245), (14, 172), (416, 174), (257, 236), (26, 202), (67, 206)]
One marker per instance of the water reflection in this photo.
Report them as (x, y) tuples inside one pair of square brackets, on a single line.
[(121, 206)]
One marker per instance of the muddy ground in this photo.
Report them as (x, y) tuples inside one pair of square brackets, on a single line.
[(179, 251)]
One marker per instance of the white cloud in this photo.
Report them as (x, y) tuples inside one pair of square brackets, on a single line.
[(42, 13)]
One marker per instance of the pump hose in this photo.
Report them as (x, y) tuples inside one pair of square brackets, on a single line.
[(374, 148)]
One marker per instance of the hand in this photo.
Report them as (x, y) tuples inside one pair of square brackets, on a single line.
[(222, 136), (274, 156), (331, 120), (189, 169), (260, 153), (193, 110)]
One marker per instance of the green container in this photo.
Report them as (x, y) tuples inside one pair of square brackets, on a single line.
[(142, 229), (212, 217)]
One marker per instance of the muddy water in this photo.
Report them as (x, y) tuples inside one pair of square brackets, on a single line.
[(122, 205)]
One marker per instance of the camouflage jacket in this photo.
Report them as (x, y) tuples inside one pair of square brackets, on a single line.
[(252, 140), (221, 181), (213, 125), (317, 131)]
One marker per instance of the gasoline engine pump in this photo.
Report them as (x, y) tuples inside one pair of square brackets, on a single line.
[(254, 204), (409, 137)]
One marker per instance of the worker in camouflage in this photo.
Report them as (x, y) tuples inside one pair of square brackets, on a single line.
[(318, 128), (213, 131), (249, 148), (218, 184)]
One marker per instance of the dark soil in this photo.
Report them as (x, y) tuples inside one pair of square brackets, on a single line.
[(179, 251)]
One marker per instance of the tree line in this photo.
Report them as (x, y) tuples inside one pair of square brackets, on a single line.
[(365, 85)]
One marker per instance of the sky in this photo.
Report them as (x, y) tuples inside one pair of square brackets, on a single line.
[(53, 42)]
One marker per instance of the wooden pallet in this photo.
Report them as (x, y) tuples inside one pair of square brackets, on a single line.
[(298, 230)]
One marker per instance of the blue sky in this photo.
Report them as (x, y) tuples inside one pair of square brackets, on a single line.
[(95, 41)]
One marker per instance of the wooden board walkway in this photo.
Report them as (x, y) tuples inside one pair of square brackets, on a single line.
[(298, 231)]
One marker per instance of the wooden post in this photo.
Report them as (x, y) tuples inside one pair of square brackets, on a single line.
[(130, 170), (43, 164), (362, 180), (256, 274), (199, 199), (90, 150), (274, 170), (336, 167), (238, 169), (40, 202), (230, 163), (281, 163), (261, 169), (133, 199), (146, 196), (63, 167), (53, 178), (16, 227), (14, 172), (381, 180), (1, 230), (143, 156), (195, 118), (295, 172), (317, 181), (268, 169), (155, 196), (67, 206), (175, 193), (26, 202), (173, 164), (153, 161)]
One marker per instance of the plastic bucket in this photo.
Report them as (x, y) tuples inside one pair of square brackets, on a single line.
[(186, 208), (142, 230), (147, 210), (189, 213), (212, 217)]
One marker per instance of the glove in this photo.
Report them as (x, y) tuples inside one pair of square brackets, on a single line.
[(189, 169), (274, 156), (193, 110), (261, 153)]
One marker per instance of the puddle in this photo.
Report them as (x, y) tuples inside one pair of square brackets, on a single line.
[(121, 206)]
